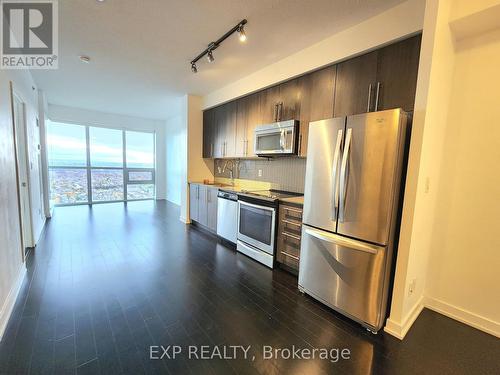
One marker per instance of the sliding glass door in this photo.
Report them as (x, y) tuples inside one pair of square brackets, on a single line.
[(95, 165)]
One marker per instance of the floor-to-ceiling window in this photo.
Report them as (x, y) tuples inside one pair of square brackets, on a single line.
[(94, 165)]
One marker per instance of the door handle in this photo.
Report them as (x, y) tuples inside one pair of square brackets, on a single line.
[(282, 139), (342, 241), (300, 144), (280, 110), (275, 116), (368, 105), (23, 184), (377, 96), (344, 175), (335, 180)]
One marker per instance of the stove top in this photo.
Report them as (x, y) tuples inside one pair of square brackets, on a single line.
[(271, 195)]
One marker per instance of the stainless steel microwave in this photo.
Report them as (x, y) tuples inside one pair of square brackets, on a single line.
[(279, 138)]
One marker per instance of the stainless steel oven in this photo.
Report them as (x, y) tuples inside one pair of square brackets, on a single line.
[(279, 138), (256, 231)]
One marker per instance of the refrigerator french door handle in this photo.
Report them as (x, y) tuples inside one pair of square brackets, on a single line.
[(344, 175), (335, 180), (342, 241)]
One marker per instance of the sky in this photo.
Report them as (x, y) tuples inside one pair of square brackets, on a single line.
[(67, 146)]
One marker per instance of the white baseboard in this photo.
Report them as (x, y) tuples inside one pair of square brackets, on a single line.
[(464, 316), (400, 329), (10, 301)]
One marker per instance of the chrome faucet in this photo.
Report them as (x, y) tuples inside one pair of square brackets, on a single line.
[(231, 170)]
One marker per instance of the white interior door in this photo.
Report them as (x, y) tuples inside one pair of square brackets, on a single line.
[(24, 168)]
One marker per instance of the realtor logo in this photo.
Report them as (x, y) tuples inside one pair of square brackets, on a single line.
[(29, 34)]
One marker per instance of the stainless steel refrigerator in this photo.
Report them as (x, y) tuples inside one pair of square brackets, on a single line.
[(353, 179)]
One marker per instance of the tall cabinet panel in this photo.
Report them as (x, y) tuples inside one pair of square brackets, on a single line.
[(354, 90)]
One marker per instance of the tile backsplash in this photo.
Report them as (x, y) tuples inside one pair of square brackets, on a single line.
[(285, 173)]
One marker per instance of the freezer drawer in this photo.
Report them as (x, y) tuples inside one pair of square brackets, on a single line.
[(345, 274)]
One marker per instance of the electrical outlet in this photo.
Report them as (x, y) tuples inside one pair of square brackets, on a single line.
[(260, 172), (411, 287)]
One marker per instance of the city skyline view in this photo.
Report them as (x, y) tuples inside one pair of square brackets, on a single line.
[(117, 151)]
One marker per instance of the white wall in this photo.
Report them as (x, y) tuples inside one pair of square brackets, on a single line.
[(176, 148), (464, 277), (393, 24), (12, 268), (447, 243), (185, 163), (80, 116), (199, 169)]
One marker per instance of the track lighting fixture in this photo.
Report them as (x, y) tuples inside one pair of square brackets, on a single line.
[(243, 35), (214, 45)]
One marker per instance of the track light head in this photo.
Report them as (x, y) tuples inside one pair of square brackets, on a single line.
[(243, 35), (194, 69), (210, 56)]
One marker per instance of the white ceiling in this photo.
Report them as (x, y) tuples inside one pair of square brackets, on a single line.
[(140, 49)]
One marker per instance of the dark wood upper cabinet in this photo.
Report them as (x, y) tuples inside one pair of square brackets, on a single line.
[(290, 99), (209, 133), (322, 93), (247, 118), (382, 79), (397, 70), (225, 130), (316, 101), (354, 89), (268, 100), (230, 129)]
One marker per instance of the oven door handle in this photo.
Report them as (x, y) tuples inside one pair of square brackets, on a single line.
[(272, 209)]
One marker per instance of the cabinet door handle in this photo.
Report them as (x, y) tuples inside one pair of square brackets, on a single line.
[(291, 236), (211, 150), (291, 223), (275, 115), (300, 144), (377, 96), (289, 255), (280, 111), (207, 196), (368, 105)]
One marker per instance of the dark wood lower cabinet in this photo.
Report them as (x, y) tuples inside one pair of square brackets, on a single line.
[(289, 236)]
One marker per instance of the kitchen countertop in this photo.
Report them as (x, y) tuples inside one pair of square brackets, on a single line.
[(297, 201)]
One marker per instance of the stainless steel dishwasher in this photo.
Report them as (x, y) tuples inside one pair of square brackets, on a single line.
[(227, 215)]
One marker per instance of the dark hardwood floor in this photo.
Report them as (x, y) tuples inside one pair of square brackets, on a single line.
[(107, 282)]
